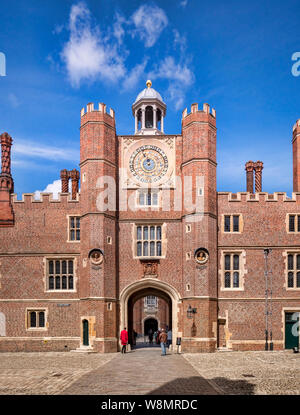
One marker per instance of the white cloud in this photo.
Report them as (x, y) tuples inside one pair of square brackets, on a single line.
[(180, 77), (58, 29), (13, 100), (168, 69), (37, 150), (135, 75), (54, 188), (88, 54), (118, 30), (179, 41), (176, 95), (183, 3), (149, 22)]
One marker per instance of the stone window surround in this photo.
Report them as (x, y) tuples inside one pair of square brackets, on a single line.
[(150, 305), (241, 223), (60, 257), (242, 269), (68, 221), (163, 239), (286, 270), (296, 223), (27, 321), (147, 190)]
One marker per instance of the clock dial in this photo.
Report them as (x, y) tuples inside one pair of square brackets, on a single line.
[(148, 164)]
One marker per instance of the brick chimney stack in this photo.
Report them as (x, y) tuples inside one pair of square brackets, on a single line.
[(6, 182), (259, 165), (249, 167), (74, 175), (296, 156), (64, 175)]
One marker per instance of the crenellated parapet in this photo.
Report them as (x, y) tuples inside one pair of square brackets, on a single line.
[(195, 109), (45, 198), (90, 109), (296, 125), (260, 197)]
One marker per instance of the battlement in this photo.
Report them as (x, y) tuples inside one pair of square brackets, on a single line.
[(260, 197), (45, 198), (101, 108), (194, 108)]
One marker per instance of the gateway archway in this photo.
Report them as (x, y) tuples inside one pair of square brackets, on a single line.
[(140, 289)]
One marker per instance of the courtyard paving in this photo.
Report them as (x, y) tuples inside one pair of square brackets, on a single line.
[(251, 373), (145, 371)]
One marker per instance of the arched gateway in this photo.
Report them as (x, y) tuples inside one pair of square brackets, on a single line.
[(149, 286)]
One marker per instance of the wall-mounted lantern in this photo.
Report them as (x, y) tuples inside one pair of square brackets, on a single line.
[(191, 311)]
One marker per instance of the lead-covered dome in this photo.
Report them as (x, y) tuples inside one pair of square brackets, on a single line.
[(149, 93), (149, 111)]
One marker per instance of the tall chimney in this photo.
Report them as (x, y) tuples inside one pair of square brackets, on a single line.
[(74, 174), (259, 165), (6, 182), (296, 156), (249, 167), (64, 175)]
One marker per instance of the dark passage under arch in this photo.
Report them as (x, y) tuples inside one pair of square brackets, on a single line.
[(150, 323)]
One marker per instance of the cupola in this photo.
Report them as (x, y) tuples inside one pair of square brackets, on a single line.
[(149, 111)]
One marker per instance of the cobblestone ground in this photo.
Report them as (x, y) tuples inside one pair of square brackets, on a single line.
[(250, 373), (45, 373), (144, 371)]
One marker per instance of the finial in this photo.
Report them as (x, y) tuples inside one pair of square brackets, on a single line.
[(149, 83)]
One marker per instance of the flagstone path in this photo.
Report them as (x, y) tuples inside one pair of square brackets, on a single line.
[(143, 372)]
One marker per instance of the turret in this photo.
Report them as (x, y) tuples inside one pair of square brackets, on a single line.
[(98, 151), (199, 150), (6, 182), (199, 225), (99, 169)]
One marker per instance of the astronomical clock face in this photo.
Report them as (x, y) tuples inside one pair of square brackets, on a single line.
[(148, 164)]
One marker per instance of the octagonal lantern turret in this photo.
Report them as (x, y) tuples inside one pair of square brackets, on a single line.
[(149, 111)]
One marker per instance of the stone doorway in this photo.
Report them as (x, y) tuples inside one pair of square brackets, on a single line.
[(150, 324), (85, 332), (150, 287)]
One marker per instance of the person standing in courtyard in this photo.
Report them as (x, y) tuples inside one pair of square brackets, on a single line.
[(169, 338), (124, 339), (150, 336), (163, 337)]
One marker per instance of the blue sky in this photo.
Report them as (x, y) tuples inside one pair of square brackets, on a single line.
[(235, 55)]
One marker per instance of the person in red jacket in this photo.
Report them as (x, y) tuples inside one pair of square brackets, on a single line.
[(124, 339)]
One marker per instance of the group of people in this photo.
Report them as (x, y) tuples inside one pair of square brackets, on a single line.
[(156, 336), (161, 336)]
